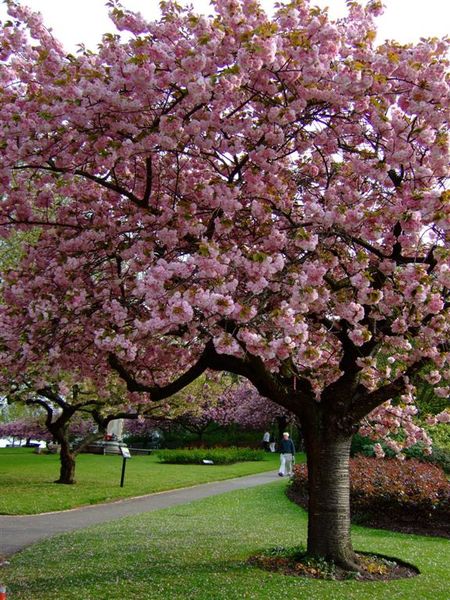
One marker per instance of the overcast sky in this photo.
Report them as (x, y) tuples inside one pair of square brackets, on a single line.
[(75, 21)]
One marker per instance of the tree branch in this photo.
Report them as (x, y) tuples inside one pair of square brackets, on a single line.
[(366, 245), (148, 181), (53, 396), (363, 402), (395, 177), (156, 392), (46, 407), (100, 180), (92, 437), (253, 369)]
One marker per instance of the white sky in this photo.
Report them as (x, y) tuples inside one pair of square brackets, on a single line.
[(75, 21)]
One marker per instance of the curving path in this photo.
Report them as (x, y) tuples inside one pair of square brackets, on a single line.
[(18, 532)]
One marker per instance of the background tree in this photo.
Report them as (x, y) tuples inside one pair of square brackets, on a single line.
[(212, 403), (233, 403), (23, 429), (225, 402), (68, 410), (263, 196)]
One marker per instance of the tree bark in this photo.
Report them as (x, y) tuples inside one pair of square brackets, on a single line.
[(282, 425), (67, 459), (328, 453)]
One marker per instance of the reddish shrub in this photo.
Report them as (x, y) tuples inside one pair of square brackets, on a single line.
[(404, 489), (391, 483)]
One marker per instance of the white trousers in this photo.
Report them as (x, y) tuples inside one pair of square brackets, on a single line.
[(286, 461)]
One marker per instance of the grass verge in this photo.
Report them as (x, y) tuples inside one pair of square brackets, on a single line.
[(199, 551), (28, 488)]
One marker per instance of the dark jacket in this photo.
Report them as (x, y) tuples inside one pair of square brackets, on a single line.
[(287, 446)]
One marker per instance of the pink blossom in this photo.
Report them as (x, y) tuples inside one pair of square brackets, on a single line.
[(180, 311), (433, 377), (379, 452), (443, 417)]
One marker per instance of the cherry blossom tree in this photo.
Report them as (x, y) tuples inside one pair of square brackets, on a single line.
[(73, 414), (241, 404), (263, 196), (71, 410), (23, 429), (212, 401), (233, 403), (142, 426)]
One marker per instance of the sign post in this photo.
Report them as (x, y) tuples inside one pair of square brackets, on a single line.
[(125, 455)]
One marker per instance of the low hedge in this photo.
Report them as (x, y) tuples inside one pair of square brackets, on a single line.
[(219, 456), (396, 490)]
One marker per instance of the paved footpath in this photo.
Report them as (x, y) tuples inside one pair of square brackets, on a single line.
[(18, 532)]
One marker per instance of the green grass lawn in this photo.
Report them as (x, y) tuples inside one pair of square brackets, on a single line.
[(198, 551), (27, 486)]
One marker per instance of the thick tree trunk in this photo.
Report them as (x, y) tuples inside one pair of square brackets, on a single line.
[(328, 455), (282, 425), (67, 461)]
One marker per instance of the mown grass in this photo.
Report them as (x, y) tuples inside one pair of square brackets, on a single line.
[(27, 486), (199, 551)]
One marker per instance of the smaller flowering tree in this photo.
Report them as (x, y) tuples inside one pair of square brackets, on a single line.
[(213, 400), (142, 426), (81, 426), (73, 409), (241, 404), (24, 429), (226, 403)]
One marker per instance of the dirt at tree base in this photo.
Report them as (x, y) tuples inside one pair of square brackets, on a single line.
[(374, 567)]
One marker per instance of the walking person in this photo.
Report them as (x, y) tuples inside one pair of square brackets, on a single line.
[(266, 441), (287, 453)]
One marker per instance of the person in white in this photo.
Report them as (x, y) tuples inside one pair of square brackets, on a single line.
[(287, 454), (266, 441)]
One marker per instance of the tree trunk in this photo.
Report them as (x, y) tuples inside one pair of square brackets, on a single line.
[(328, 454), (282, 425), (67, 461)]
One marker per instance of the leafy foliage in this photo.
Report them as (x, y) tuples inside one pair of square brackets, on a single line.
[(440, 434), (439, 455), (427, 401)]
